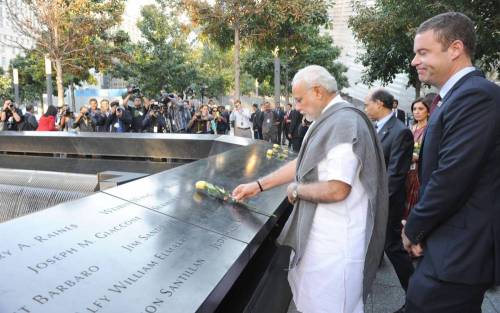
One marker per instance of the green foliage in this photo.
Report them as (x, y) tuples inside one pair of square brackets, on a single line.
[(214, 69), (31, 68), (312, 49), (263, 26), (5, 87), (247, 83), (387, 29), (161, 61), (76, 35)]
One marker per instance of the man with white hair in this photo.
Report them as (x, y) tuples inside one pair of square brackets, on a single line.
[(338, 187)]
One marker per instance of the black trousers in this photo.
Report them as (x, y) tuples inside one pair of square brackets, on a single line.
[(257, 133), (296, 142), (394, 250), (428, 294)]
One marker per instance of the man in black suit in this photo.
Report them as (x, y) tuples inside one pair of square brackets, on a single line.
[(279, 114), (400, 114), (256, 118), (455, 225), (293, 129), (397, 144)]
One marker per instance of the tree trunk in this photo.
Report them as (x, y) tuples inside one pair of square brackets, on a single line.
[(73, 100), (418, 87), (237, 59), (277, 83), (42, 104), (287, 82), (59, 81)]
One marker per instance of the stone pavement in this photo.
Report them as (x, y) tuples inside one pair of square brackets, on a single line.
[(388, 296)]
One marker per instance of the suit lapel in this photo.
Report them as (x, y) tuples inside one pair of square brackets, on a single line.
[(459, 83), (445, 99), (435, 113), (386, 128)]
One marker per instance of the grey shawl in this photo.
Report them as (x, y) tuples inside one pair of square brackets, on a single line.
[(342, 123)]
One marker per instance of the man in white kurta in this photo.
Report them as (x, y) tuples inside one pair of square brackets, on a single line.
[(329, 277), (332, 265), (333, 223)]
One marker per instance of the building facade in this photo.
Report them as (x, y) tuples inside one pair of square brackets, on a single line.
[(343, 37), (10, 41)]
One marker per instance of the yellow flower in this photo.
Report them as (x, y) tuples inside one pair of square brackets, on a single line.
[(201, 185), (269, 152), (276, 146)]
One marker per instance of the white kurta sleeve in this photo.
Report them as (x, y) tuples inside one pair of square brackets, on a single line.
[(341, 164)]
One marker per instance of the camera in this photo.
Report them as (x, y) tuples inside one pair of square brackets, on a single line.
[(133, 90), (189, 92), (198, 116), (87, 114), (166, 98), (119, 110)]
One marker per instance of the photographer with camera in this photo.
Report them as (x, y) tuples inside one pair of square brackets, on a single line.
[(65, 118), (221, 117), (139, 110), (154, 122), (177, 113), (102, 115), (120, 119), (84, 121), (201, 121), (190, 107), (11, 117)]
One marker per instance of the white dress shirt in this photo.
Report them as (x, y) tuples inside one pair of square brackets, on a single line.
[(241, 118)]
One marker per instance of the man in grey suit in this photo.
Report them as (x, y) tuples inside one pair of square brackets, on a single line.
[(397, 144)]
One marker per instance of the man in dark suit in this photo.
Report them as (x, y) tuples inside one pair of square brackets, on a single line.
[(400, 114), (293, 134), (397, 144), (279, 114), (256, 118), (455, 226)]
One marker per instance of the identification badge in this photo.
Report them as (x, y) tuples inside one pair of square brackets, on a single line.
[(173, 122), (155, 129), (268, 121), (117, 125)]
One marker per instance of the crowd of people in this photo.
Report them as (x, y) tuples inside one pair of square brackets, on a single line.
[(138, 114), (135, 113)]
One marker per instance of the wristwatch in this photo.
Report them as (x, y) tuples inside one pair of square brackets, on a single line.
[(295, 193)]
